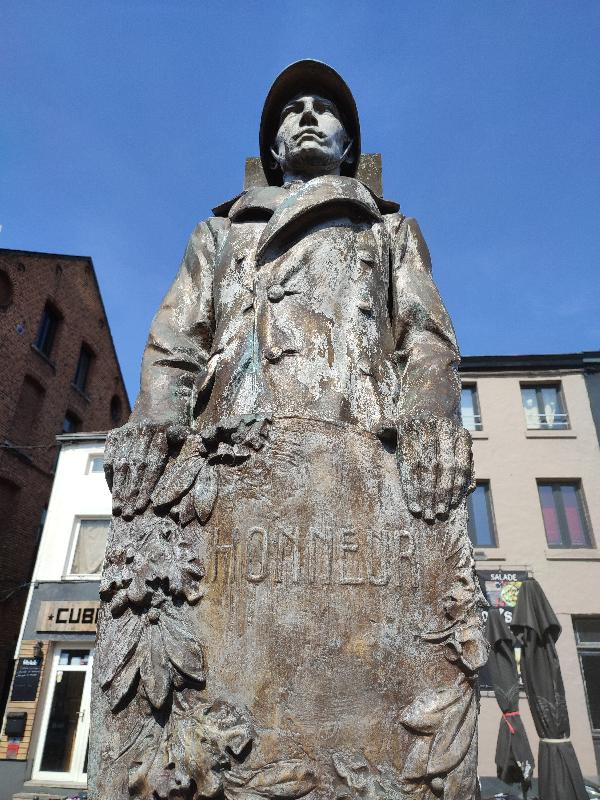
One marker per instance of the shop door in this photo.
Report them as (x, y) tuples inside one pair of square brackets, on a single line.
[(62, 750)]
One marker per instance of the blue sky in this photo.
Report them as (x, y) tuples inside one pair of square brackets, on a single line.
[(123, 123)]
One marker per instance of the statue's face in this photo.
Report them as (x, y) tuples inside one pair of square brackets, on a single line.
[(311, 137)]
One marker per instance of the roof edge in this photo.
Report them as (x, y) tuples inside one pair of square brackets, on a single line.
[(86, 436), (587, 360)]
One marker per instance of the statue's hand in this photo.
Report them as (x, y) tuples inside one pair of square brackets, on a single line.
[(436, 465), (134, 459)]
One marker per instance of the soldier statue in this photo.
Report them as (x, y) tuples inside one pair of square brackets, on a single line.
[(289, 603)]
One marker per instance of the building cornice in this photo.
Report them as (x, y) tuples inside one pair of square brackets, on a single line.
[(86, 436), (586, 361)]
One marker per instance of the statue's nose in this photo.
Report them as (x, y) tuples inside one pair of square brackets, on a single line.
[(308, 117)]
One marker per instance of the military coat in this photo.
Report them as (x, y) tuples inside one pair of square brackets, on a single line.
[(307, 300)]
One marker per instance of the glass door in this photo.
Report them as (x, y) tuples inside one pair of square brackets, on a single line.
[(62, 750)]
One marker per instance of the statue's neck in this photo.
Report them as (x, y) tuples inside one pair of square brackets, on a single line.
[(304, 177)]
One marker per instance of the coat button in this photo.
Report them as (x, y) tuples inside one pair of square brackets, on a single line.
[(275, 293), (367, 256), (273, 353)]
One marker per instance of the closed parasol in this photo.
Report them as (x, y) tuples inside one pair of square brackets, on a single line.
[(514, 759), (538, 629)]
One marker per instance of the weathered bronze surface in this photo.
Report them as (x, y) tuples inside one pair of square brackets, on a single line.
[(289, 604)]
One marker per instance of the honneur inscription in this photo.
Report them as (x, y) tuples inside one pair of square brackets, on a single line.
[(314, 557)]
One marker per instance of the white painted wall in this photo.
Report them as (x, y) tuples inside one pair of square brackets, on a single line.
[(76, 494)]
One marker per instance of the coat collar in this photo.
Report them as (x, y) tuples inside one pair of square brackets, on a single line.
[(262, 201)]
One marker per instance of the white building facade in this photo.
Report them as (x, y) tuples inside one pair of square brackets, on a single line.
[(44, 741)]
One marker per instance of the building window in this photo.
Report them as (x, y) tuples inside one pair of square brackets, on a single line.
[(95, 465), (71, 423), (587, 636), (90, 544), (28, 412), (544, 407), (481, 518), (62, 751), (47, 330), (469, 408), (6, 290), (116, 409), (83, 368), (9, 498), (564, 514)]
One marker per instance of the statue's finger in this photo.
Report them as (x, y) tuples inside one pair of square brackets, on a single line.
[(410, 458), (135, 476), (138, 456), (121, 472), (155, 460), (462, 458), (428, 468), (446, 464), (410, 486)]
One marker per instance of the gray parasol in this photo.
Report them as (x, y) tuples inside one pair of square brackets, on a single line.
[(514, 759)]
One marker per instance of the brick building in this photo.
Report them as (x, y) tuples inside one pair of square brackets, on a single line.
[(60, 373)]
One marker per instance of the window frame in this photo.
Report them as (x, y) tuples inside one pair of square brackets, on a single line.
[(84, 352), (491, 516), (75, 418), (587, 648), (78, 576), (49, 311), (477, 417), (81, 741), (561, 515), (90, 462), (538, 386)]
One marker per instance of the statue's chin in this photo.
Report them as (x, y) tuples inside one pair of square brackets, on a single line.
[(311, 160)]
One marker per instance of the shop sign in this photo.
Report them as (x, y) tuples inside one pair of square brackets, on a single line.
[(502, 589), (27, 677), (68, 616)]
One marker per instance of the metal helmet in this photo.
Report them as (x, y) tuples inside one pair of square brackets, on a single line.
[(307, 76)]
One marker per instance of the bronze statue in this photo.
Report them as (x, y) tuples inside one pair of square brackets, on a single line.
[(289, 601)]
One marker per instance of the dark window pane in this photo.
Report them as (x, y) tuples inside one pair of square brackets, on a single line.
[(564, 517), (28, 410), (550, 515), (6, 290), (587, 629), (71, 423), (62, 724), (9, 498), (481, 529), (116, 409), (47, 330), (590, 666), (574, 517), (83, 368)]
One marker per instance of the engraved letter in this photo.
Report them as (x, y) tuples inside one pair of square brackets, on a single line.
[(347, 545), (320, 550), (256, 555), (378, 553), (283, 551)]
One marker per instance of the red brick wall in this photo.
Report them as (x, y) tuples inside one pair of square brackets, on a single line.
[(68, 282)]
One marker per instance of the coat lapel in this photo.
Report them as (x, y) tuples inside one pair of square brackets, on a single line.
[(333, 194)]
